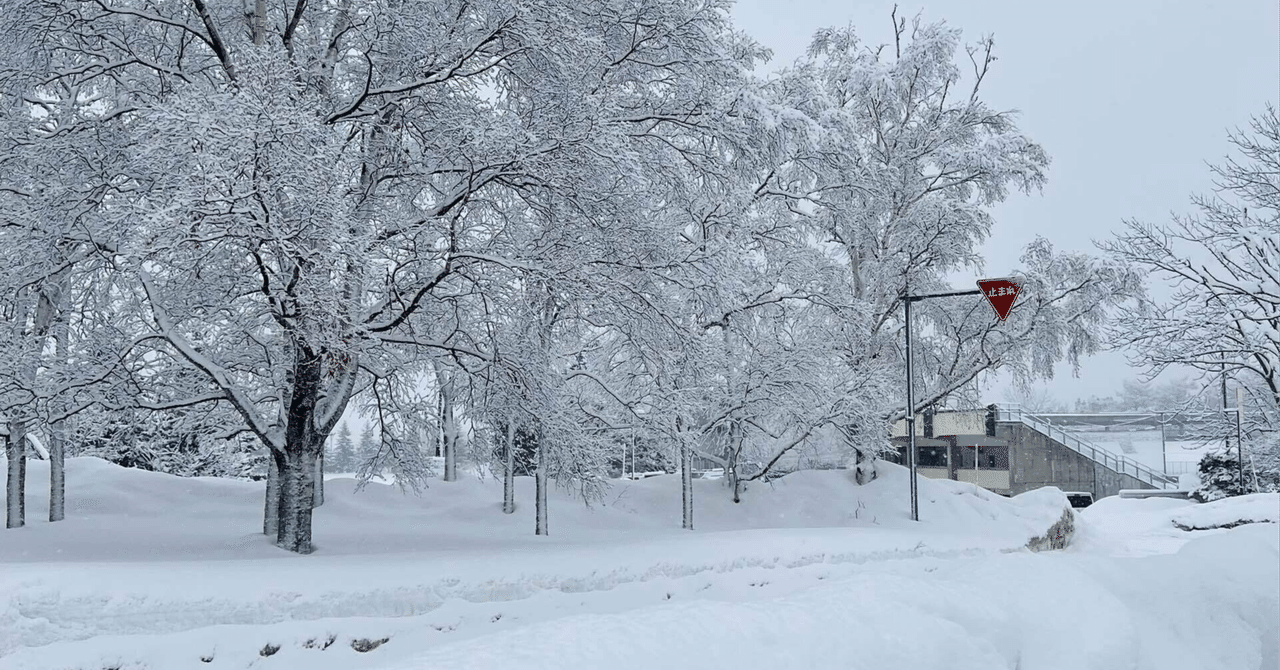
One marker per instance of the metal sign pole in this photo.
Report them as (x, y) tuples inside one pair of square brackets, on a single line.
[(907, 299), (911, 419)]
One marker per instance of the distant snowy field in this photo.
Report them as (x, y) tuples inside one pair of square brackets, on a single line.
[(811, 571), (1145, 447)]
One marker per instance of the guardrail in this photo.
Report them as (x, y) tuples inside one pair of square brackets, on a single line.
[(1112, 461)]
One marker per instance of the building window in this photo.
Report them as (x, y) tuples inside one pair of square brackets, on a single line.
[(989, 458), (993, 458), (932, 457)]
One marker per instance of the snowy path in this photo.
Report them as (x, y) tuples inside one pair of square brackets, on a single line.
[(42, 606)]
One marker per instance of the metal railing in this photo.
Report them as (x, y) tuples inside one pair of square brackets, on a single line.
[(1175, 468), (1112, 461)]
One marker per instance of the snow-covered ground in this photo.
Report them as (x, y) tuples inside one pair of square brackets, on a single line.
[(811, 571), (1145, 447)]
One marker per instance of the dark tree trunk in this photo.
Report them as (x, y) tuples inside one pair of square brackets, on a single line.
[(732, 477), (303, 444), (509, 470), (15, 491), (271, 509), (297, 493)]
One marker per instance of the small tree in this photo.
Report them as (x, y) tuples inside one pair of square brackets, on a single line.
[(1220, 476), (368, 446), (342, 451)]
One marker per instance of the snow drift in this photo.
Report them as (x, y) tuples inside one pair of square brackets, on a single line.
[(154, 553)]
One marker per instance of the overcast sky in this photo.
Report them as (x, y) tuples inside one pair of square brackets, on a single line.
[(1129, 98)]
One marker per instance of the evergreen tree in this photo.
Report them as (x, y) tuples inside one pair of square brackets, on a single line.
[(1220, 476), (342, 453), (367, 448)]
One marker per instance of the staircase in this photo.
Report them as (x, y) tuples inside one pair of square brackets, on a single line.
[(1115, 462)]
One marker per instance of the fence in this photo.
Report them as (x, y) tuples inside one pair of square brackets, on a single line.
[(1181, 468)]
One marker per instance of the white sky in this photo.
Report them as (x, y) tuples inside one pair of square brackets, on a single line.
[(1129, 98)]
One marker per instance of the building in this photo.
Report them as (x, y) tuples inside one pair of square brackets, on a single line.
[(1008, 451)]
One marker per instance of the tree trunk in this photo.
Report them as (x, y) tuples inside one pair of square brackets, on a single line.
[(686, 487), (540, 484), (509, 470), (297, 493), (448, 423), (29, 354), (271, 511), (259, 22), (57, 471), (318, 479), (15, 492), (863, 468), (58, 438), (731, 462), (303, 443)]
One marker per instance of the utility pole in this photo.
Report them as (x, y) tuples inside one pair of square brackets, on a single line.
[(910, 414)]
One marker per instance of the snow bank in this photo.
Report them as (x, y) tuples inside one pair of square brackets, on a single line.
[(808, 572), (1005, 610), (1129, 527), (1230, 512), (1139, 527), (146, 553), (1024, 612), (119, 514)]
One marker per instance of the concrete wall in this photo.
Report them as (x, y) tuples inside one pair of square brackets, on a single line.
[(1036, 461), (992, 480), (945, 422), (959, 423), (899, 427)]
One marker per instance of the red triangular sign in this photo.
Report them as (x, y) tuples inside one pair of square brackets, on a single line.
[(1000, 293)]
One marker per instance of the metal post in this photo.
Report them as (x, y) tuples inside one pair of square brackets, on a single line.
[(911, 418), (907, 299), (1239, 451), (1239, 441), (1164, 458), (1226, 437)]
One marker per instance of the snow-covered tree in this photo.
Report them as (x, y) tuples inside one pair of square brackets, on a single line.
[(367, 445), (1222, 264), (308, 190), (342, 455), (873, 175), (52, 187)]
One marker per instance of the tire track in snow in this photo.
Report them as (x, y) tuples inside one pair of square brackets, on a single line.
[(36, 615)]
